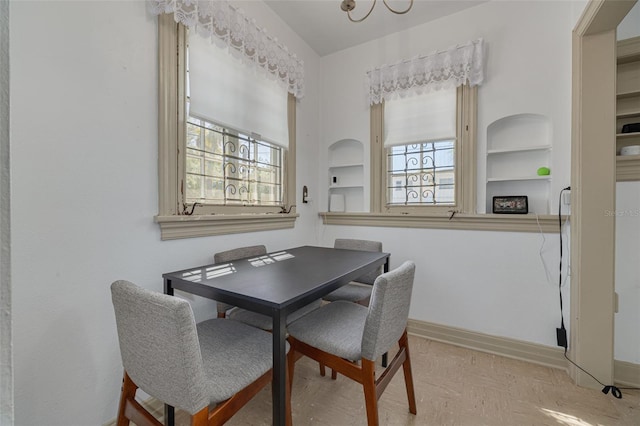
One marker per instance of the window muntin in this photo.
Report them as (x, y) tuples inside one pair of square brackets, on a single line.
[(421, 174), (225, 167)]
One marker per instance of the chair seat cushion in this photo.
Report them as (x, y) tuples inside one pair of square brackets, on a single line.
[(263, 321), (352, 292), (336, 328), (234, 355)]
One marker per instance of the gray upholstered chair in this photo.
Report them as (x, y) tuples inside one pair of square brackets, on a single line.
[(229, 256), (348, 337), (248, 317), (358, 290), (217, 363)]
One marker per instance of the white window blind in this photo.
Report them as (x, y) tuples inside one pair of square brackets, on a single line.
[(421, 118), (225, 91)]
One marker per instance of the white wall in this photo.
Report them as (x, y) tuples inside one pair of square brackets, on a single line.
[(84, 182), (630, 25), (488, 282), (627, 338)]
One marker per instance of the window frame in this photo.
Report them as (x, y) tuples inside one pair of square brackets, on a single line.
[(173, 217), (465, 161)]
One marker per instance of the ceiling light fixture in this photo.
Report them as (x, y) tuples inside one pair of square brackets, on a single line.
[(349, 5)]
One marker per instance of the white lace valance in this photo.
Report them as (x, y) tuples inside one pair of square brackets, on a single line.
[(443, 69), (229, 27)]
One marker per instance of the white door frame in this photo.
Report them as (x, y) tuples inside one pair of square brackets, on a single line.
[(593, 184)]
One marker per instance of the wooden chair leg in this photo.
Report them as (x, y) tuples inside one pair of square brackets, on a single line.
[(130, 409), (322, 370), (201, 418), (128, 392), (226, 409), (334, 374), (370, 394), (408, 376)]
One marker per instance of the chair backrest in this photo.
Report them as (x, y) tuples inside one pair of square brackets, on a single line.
[(365, 245), (239, 253), (159, 346), (388, 310), (235, 254)]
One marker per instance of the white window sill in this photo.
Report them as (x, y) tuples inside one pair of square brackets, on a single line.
[(478, 222), (176, 227)]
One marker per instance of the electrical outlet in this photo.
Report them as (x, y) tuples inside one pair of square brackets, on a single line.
[(566, 198)]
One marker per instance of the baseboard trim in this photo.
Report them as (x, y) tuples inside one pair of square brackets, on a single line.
[(511, 348), (625, 373)]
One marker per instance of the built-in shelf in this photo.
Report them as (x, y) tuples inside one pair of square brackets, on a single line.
[(346, 175), (628, 107), (517, 146)]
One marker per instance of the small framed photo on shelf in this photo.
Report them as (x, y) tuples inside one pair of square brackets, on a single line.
[(512, 204)]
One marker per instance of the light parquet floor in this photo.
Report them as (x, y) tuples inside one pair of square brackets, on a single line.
[(454, 386)]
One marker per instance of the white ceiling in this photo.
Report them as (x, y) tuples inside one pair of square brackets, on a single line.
[(326, 28)]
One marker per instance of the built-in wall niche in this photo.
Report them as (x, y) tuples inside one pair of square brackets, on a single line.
[(517, 146), (628, 110), (346, 176)]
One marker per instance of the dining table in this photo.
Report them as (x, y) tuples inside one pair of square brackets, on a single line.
[(275, 284)]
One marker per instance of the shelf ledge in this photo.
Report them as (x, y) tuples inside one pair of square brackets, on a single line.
[(628, 94), (628, 113), (628, 135), (461, 221), (340, 166), (520, 149), (345, 186), (627, 168), (508, 179)]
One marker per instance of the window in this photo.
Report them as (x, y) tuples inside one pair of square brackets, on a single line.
[(217, 177), (225, 167), (423, 174), (423, 153)]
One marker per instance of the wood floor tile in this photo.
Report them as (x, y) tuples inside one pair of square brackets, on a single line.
[(454, 386)]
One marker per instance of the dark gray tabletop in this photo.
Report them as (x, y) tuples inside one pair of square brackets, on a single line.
[(285, 280)]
